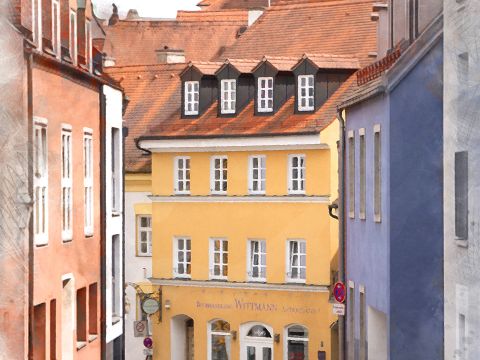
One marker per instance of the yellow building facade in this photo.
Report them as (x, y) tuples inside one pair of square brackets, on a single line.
[(243, 259)]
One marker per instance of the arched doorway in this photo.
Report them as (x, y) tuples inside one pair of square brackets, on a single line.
[(256, 342), (181, 338)]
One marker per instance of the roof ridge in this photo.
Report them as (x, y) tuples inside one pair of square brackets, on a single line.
[(124, 68), (329, 3)]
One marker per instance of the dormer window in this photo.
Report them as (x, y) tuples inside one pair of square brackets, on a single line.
[(56, 27), (306, 93), (228, 96), (192, 96), (265, 94)]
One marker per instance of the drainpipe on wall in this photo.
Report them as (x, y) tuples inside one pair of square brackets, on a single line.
[(341, 229)]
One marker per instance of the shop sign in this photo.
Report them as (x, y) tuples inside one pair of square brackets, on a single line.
[(240, 304), (339, 309), (150, 306), (140, 328)]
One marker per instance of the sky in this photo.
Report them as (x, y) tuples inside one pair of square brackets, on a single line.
[(146, 8)]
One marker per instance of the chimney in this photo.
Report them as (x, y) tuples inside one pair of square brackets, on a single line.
[(114, 18), (132, 14), (380, 15), (253, 15), (170, 56)]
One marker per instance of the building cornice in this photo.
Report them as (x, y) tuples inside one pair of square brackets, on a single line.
[(240, 199)]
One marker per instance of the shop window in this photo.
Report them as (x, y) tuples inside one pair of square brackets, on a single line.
[(144, 223), (296, 173), (297, 261), (257, 172), (39, 332), (182, 257), (296, 338), (182, 175), (81, 317), (219, 259), (257, 260), (92, 309), (219, 340)]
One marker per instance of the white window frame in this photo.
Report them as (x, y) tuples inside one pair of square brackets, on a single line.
[(351, 154), (228, 96), (88, 44), (185, 262), (37, 23), (377, 175), (289, 264), (261, 179), (73, 31), (221, 179), (67, 182), (148, 230), (301, 181), (210, 333), (56, 35), (307, 96), (185, 182), (287, 338), (262, 86), (250, 263), (88, 181), (362, 173), (40, 182), (192, 88), (221, 263)]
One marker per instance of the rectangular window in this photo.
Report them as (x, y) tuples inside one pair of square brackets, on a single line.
[(351, 322), (39, 331), (116, 170), (53, 329), (182, 175), (56, 44), (228, 96), (88, 181), (461, 195), (37, 23), (377, 186), (218, 259), (296, 173), (40, 183), (182, 257), (306, 99), (67, 233), (73, 36), (88, 44), (116, 281), (92, 309), (363, 326), (81, 316), (192, 97), (462, 337), (257, 170), (351, 174), (265, 94), (257, 260), (363, 184), (297, 261), (219, 175), (144, 223)]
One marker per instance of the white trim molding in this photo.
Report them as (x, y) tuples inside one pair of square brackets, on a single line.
[(322, 199), (247, 143)]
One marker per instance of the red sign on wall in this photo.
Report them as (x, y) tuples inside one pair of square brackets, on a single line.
[(339, 292)]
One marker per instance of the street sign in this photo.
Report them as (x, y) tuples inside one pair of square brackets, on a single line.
[(339, 309), (150, 306), (339, 292), (148, 342), (140, 328)]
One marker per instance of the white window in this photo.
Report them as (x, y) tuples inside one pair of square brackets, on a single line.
[(40, 183), (144, 223), (56, 44), (257, 173), (296, 261), (116, 170), (351, 174), (296, 173), (88, 181), (306, 100), (219, 174), (182, 175), (377, 159), (257, 260), (218, 259), (182, 257), (37, 23), (67, 232), (363, 182), (88, 44), (228, 96), (73, 36), (192, 96), (219, 340), (296, 337), (265, 94)]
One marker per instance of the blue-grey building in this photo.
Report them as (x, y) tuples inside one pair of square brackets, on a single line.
[(393, 204)]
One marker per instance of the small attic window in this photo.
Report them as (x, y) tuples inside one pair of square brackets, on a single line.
[(265, 94), (228, 96), (192, 95), (306, 93)]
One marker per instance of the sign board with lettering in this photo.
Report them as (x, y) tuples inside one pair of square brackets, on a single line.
[(150, 306), (140, 328), (339, 309)]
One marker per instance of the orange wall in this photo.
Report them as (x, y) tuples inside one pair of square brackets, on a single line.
[(60, 100)]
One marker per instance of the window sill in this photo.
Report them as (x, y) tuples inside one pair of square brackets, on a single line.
[(144, 256), (116, 213), (378, 219), (462, 243), (88, 235), (115, 319), (219, 279), (299, 282), (92, 338), (81, 345), (67, 240), (178, 277), (182, 194)]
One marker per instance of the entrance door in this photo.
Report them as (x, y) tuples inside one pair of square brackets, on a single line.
[(257, 343)]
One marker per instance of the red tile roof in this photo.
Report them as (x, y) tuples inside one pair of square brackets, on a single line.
[(334, 27), (249, 4), (203, 35)]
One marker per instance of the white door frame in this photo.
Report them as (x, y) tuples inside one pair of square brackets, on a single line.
[(256, 342)]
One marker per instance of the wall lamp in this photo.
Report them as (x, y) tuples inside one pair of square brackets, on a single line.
[(167, 304)]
